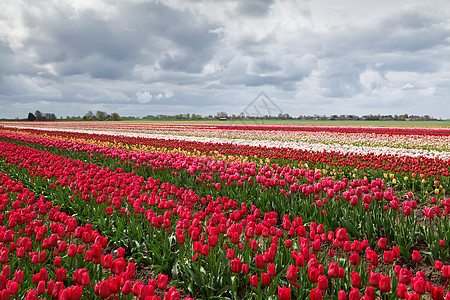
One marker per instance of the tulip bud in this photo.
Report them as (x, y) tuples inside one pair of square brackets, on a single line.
[(254, 280), (162, 281), (385, 284), (284, 293), (265, 279), (415, 256), (355, 279)]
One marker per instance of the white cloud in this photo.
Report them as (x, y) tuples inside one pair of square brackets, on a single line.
[(371, 80), (144, 97), (408, 86), (147, 97)]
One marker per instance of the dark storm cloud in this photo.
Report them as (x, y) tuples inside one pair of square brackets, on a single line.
[(143, 33), (63, 38)]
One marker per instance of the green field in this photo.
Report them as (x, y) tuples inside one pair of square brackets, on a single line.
[(443, 123)]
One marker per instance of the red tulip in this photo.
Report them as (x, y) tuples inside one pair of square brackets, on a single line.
[(254, 280), (316, 245), (6, 271), (374, 279), (57, 288), (322, 283), (245, 268), (300, 260), (126, 289), (13, 288), (40, 287), (333, 270), (385, 284), (118, 266), (85, 280), (162, 281), (292, 273), (131, 270), (31, 294), (205, 250), (382, 243), (18, 276), (72, 250), (120, 252), (405, 276), (236, 265), (437, 293), (354, 259), (60, 274), (446, 271), (389, 257), (271, 269), (50, 287), (354, 294), (418, 285), (213, 240), (369, 293), (172, 294), (265, 279), (107, 261), (315, 294), (402, 290), (284, 293), (356, 279), (104, 289), (313, 275), (415, 256), (230, 254), (259, 261)]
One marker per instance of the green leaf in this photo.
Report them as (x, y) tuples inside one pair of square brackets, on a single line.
[(350, 227)]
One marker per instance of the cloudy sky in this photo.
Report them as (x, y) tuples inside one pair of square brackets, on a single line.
[(140, 57)]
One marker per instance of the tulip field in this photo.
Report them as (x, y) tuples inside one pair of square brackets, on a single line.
[(223, 211)]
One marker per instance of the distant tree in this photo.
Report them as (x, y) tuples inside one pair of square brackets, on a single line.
[(50, 117), (38, 115), (101, 115), (222, 115), (31, 117), (115, 116), (196, 117), (89, 116)]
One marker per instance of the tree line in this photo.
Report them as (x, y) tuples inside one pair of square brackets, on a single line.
[(89, 116), (104, 116), (38, 116)]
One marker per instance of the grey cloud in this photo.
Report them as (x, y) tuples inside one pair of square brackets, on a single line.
[(254, 8), (404, 62), (193, 38), (407, 31), (141, 33), (212, 59)]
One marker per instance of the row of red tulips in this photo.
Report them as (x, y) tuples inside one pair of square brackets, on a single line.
[(370, 163), (404, 130), (294, 184), (52, 257)]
